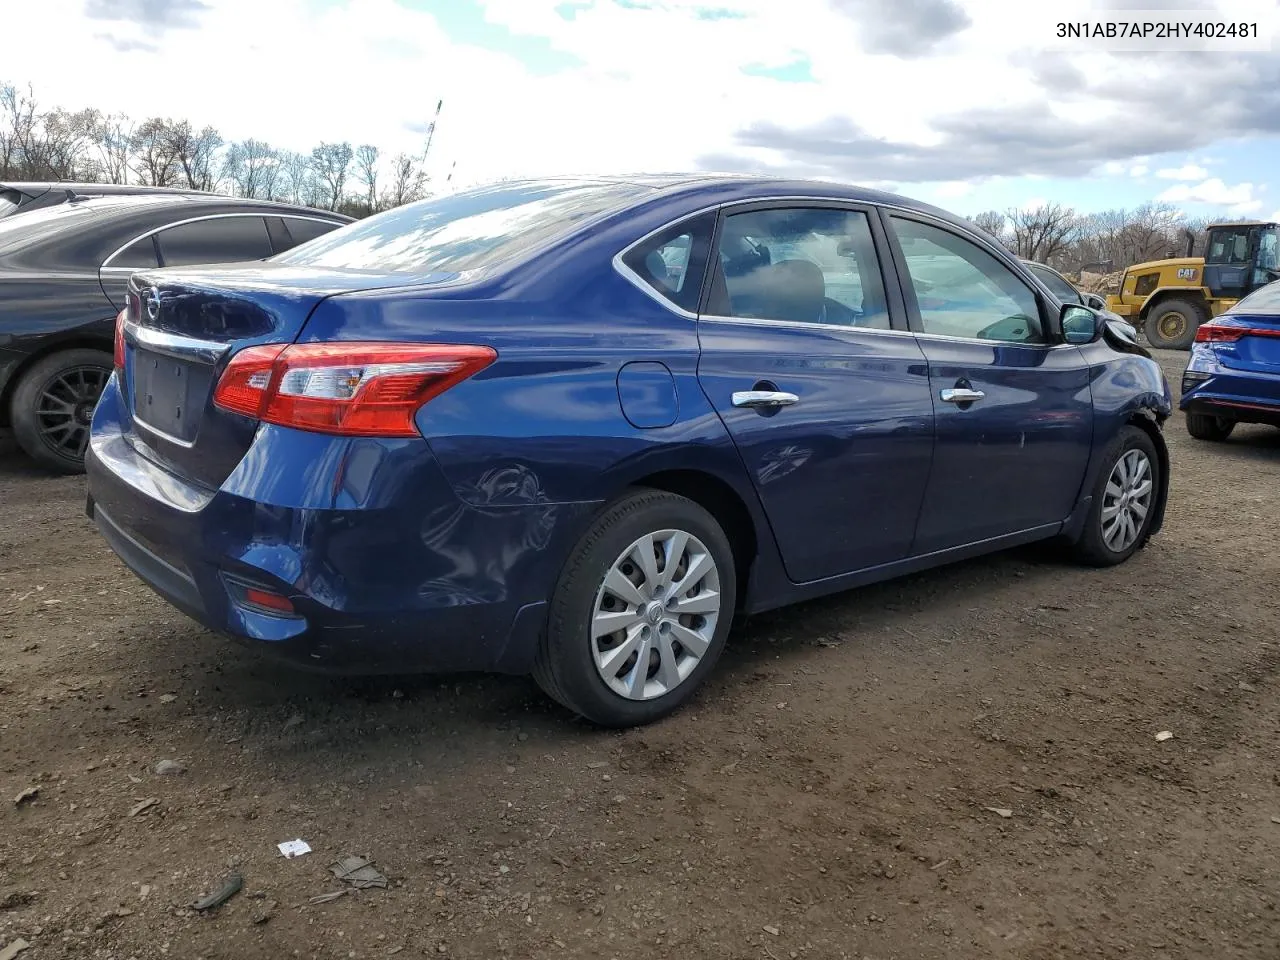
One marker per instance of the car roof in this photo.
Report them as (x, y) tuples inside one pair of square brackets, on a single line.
[(193, 201), (731, 187)]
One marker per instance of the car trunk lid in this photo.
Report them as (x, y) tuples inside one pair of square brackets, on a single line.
[(181, 329)]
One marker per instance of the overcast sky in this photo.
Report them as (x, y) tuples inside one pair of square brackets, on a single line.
[(966, 103)]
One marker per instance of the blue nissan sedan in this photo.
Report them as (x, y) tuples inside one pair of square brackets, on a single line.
[(1233, 373), (574, 427)]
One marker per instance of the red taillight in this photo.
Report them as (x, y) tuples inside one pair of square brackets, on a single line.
[(1226, 333), (119, 351), (350, 389)]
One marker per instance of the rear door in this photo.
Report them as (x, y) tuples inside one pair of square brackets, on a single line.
[(806, 357), (1014, 409)]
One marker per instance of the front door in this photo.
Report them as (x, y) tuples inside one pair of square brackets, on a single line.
[(1014, 411), (808, 362)]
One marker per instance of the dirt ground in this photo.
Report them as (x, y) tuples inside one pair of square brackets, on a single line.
[(960, 764)]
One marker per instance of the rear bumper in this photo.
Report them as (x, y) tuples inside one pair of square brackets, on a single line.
[(401, 578), (1243, 395)]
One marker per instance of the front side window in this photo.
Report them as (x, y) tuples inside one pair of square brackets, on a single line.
[(963, 291), (1056, 284), (215, 240), (800, 265), (464, 231), (673, 263)]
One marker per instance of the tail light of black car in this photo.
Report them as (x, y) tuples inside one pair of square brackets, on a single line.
[(346, 389)]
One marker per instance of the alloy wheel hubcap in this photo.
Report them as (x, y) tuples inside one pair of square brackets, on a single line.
[(64, 409), (655, 614), (1126, 500)]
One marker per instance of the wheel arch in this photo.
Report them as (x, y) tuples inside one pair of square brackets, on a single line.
[(1146, 421), (83, 341), (722, 501), (1193, 295)]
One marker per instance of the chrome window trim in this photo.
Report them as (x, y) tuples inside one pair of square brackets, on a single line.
[(725, 207), (106, 264), (802, 325)]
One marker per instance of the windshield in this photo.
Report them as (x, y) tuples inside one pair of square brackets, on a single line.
[(464, 231)]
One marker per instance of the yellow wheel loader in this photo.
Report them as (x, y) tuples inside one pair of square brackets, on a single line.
[(1168, 299)]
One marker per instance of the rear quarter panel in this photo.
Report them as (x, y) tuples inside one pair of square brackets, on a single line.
[(39, 315)]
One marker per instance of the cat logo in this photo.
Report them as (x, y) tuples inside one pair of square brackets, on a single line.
[(1186, 273)]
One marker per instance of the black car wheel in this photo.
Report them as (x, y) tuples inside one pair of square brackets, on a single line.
[(641, 611), (1172, 324), (1125, 499), (1205, 426), (53, 407)]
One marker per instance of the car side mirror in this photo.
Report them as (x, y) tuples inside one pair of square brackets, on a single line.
[(1081, 325)]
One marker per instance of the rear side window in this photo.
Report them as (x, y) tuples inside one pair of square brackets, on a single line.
[(800, 264), (465, 231), (139, 255), (302, 230), (673, 263), (215, 240)]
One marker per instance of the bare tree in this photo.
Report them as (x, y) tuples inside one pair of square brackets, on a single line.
[(253, 168), (155, 162), (331, 163), (295, 181), (194, 153), (991, 222), (1043, 233), (20, 130), (113, 137), (408, 181), (367, 173)]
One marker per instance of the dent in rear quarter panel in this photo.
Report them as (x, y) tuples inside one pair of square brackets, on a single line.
[(541, 433), (1124, 385)]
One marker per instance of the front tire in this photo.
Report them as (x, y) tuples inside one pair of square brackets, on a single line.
[(1172, 325), (1205, 426), (1125, 499), (641, 611), (53, 406)]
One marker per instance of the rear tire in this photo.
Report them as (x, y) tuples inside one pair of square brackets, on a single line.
[(53, 405), (1205, 426), (631, 571), (1125, 498), (1172, 324)]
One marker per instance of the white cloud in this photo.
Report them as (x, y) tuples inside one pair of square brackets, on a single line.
[(1186, 172), (1213, 192), (648, 88), (954, 189)]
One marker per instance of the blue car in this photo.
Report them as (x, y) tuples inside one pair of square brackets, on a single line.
[(573, 428), (1233, 375)]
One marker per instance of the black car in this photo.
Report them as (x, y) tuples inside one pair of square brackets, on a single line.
[(64, 271), (26, 195)]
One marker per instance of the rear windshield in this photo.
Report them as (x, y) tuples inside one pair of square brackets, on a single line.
[(37, 225), (1265, 300), (464, 231)]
